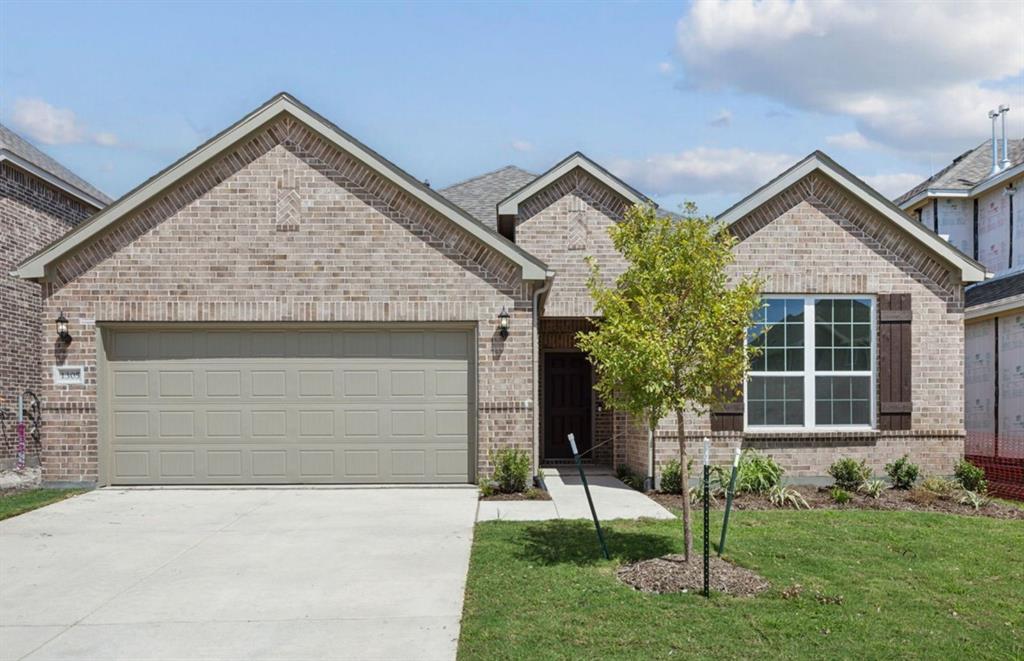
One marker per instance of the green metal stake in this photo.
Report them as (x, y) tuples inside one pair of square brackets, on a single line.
[(590, 501), (728, 500), (707, 518)]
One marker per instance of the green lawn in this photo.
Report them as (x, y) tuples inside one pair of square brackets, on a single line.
[(913, 586), (19, 502)]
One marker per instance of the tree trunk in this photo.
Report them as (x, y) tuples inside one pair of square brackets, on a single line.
[(652, 424), (687, 519)]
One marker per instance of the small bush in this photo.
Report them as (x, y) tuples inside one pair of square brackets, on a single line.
[(781, 496), (630, 478), (873, 488), (533, 493), (975, 500), (922, 496), (970, 477), (511, 470), (902, 473), (849, 474), (488, 487), (839, 495), (939, 486), (757, 473), (671, 477)]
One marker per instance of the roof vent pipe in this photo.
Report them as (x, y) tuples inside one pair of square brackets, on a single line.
[(1005, 163), (992, 114)]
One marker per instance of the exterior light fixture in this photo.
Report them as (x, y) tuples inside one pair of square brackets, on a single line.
[(503, 321), (62, 328)]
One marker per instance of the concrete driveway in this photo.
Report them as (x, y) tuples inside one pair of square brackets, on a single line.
[(237, 574)]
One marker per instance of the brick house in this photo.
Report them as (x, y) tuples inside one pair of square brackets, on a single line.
[(284, 305), (974, 203), (40, 200)]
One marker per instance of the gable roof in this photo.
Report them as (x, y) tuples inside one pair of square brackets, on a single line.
[(510, 205), (36, 266), (480, 195), (969, 174), (22, 153), (970, 270), (1004, 286)]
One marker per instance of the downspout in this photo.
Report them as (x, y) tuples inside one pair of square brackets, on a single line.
[(536, 368)]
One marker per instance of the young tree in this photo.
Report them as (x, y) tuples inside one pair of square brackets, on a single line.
[(669, 336)]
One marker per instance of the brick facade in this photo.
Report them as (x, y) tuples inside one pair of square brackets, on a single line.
[(351, 248), (32, 214), (815, 238)]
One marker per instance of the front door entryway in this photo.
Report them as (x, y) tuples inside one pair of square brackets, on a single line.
[(567, 403)]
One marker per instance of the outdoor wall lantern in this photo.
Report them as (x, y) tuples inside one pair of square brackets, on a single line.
[(62, 328), (503, 320)]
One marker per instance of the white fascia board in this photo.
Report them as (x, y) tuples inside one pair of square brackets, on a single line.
[(510, 205), (49, 178), (1002, 177), (36, 267), (968, 270), (995, 308)]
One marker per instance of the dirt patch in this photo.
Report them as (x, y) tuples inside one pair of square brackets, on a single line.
[(529, 494), (915, 500), (671, 573)]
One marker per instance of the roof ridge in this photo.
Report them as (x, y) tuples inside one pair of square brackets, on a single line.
[(510, 166)]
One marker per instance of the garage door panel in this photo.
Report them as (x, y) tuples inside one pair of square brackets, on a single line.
[(230, 406)]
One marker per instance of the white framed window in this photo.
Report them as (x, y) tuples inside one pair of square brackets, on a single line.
[(816, 370)]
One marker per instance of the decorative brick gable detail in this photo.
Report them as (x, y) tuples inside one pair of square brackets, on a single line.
[(210, 250), (562, 225)]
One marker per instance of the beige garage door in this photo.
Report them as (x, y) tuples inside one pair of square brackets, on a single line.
[(208, 406)]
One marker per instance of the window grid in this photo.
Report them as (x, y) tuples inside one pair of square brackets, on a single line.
[(841, 396)]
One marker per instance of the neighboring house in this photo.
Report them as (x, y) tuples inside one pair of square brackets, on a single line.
[(40, 200), (975, 201), (284, 305)]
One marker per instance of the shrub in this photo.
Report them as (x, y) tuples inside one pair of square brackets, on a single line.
[(781, 496), (671, 477), (849, 474), (839, 495), (487, 487), (511, 470), (922, 496), (902, 473), (630, 478), (757, 473), (970, 477), (973, 499), (873, 488), (939, 486)]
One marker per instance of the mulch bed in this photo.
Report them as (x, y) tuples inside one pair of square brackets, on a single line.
[(532, 494), (916, 500), (671, 573)]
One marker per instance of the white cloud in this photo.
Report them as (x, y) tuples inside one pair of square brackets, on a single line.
[(911, 75), (721, 119), (893, 184), (703, 170), (851, 140), (54, 126), (521, 145)]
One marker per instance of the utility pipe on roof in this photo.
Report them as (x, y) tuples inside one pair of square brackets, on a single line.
[(1005, 163), (992, 114)]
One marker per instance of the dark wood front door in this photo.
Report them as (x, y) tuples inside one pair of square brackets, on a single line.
[(567, 393)]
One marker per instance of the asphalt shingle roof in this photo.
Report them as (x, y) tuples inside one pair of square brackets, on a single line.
[(996, 289), (14, 143), (967, 170), (480, 195)]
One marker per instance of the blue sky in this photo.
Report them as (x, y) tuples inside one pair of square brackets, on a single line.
[(701, 102)]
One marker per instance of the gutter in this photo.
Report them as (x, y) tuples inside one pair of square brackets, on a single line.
[(548, 281)]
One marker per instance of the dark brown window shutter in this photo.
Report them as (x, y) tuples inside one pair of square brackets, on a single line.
[(895, 354), (728, 417)]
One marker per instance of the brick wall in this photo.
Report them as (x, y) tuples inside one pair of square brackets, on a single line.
[(286, 228), (814, 238), (32, 214), (562, 225)]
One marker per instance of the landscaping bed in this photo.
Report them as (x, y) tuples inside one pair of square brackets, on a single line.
[(915, 500), (672, 573), (529, 494)]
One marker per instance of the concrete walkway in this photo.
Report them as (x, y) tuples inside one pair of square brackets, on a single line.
[(612, 500), (237, 574)]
